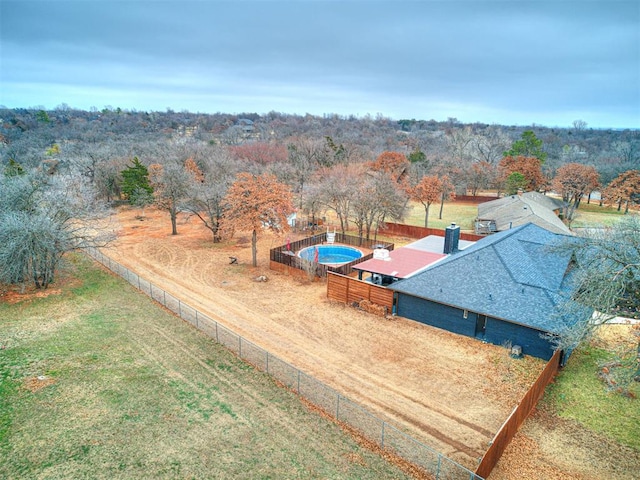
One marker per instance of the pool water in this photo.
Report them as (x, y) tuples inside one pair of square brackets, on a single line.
[(330, 254)]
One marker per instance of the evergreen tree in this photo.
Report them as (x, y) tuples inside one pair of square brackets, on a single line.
[(528, 146), (134, 179)]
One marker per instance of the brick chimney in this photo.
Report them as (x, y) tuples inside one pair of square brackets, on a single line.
[(451, 239)]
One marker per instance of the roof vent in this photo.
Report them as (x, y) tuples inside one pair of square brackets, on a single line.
[(381, 254)]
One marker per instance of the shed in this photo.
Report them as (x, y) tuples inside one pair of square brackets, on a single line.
[(505, 289)]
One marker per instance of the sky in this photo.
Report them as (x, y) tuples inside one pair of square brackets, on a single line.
[(515, 62)]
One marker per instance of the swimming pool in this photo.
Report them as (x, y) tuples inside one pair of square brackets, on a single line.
[(330, 254)]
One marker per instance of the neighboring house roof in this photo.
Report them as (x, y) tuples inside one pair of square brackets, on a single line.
[(545, 200), (515, 275), (516, 210)]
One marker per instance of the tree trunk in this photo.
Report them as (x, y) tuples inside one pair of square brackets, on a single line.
[(254, 247), (441, 206), (426, 216), (174, 220)]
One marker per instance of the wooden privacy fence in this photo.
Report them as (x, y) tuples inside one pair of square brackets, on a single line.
[(520, 413), (351, 290), (413, 231), (284, 258), (476, 198)]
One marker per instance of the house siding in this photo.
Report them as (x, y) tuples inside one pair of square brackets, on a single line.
[(436, 315), (498, 332)]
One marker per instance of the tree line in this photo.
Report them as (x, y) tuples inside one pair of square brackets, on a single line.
[(62, 169), (364, 170)]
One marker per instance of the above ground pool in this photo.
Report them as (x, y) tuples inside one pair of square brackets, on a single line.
[(330, 254)]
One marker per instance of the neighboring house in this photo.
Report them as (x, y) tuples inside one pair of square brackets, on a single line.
[(506, 289), (515, 210), (246, 125)]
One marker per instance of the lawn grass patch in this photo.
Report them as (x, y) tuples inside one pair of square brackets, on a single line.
[(100, 382), (594, 215), (463, 214), (579, 395)]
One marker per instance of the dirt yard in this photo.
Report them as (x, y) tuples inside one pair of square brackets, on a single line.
[(450, 392)]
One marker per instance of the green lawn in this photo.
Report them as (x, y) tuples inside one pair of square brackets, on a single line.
[(464, 214), (99, 382), (579, 395), (593, 215)]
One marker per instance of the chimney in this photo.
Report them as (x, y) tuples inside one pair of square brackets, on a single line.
[(451, 239)]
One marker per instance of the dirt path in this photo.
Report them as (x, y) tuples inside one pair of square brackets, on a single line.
[(447, 391)]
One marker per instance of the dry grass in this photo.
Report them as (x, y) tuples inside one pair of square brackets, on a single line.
[(385, 365), (99, 382), (582, 430)]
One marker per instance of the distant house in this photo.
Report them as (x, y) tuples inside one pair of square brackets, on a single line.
[(246, 125), (515, 210), (505, 289)]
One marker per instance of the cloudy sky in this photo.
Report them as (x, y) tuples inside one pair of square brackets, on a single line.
[(513, 62)]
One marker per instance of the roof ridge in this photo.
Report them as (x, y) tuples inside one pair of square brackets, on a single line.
[(489, 241)]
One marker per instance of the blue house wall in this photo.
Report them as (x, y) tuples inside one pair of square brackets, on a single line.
[(498, 332), (435, 314)]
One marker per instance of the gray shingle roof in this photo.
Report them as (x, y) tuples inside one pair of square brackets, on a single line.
[(515, 275), (515, 210)]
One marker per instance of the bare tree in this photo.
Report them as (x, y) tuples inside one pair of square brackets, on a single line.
[(335, 189), (170, 186), (605, 284), (206, 193), (490, 145), (42, 219)]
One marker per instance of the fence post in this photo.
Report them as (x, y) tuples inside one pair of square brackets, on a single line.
[(298, 382), (217, 339), (197, 322), (338, 408), (179, 308), (267, 361), (438, 468), (382, 437), (239, 346)]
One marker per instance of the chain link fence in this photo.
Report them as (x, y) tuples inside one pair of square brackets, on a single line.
[(333, 403)]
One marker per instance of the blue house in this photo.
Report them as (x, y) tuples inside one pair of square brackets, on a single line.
[(506, 289)]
